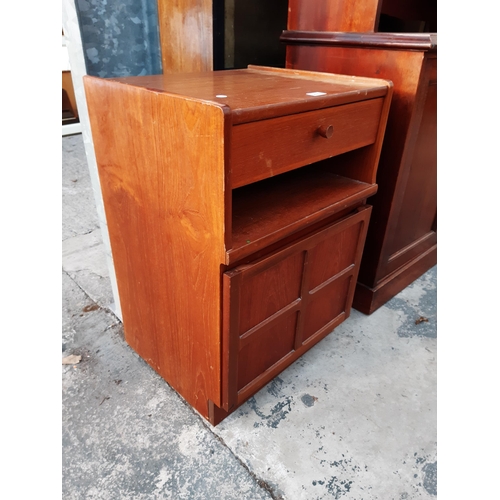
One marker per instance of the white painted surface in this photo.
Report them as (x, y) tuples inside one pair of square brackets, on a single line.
[(65, 59), (72, 128)]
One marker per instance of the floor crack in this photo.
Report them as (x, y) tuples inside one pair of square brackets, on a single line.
[(107, 309), (81, 234), (208, 427), (265, 486)]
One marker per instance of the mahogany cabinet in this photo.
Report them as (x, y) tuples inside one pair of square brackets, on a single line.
[(402, 239), (236, 206)]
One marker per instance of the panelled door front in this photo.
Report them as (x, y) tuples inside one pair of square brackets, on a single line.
[(276, 308)]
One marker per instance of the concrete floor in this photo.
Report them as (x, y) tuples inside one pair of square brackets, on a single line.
[(353, 419)]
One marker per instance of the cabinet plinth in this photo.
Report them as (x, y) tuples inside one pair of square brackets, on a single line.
[(236, 208)]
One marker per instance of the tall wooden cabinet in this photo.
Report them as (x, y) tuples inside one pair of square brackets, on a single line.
[(236, 206), (402, 239)]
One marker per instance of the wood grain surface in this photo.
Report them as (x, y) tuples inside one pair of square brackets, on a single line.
[(338, 15), (221, 286), (281, 305), (267, 212), (186, 35), (165, 211), (259, 93), (267, 148)]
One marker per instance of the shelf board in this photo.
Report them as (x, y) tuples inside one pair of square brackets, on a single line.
[(269, 210)]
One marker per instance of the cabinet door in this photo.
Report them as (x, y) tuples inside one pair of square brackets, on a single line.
[(278, 307)]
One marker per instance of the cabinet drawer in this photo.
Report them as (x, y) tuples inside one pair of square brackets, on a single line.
[(278, 307), (266, 148)]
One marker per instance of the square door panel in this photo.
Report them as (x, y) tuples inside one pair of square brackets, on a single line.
[(333, 255), (266, 347), (270, 289), (325, 305)]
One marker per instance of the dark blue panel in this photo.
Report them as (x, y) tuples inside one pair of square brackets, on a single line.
[(120, 37)]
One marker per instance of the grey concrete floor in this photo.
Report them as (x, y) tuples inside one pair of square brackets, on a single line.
[(353, 419)]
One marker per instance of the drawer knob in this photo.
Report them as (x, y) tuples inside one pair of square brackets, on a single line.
[(325, 131)]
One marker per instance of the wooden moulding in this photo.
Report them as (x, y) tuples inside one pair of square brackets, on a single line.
[(402, 41)]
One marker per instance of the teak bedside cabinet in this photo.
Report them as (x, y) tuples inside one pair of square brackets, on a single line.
[(236, 206)]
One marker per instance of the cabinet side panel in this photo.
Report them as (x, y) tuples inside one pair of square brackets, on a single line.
[(160, 160), (410, 227), (403, 68)]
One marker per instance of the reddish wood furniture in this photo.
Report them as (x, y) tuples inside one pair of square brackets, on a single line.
[(362, 16), (402, 239), (236, 205)]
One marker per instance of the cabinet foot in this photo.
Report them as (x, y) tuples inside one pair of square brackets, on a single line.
[(215, 414)]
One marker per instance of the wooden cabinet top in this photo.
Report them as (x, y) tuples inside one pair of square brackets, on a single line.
[(259, 92)]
